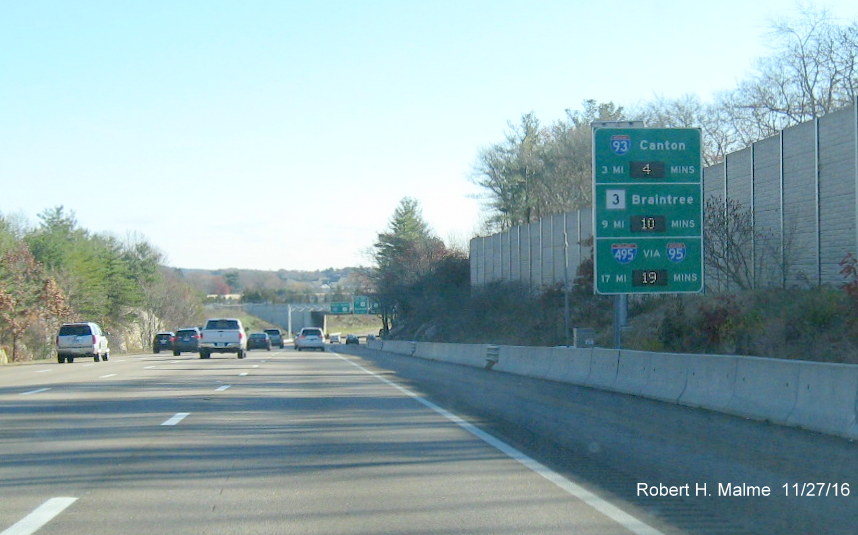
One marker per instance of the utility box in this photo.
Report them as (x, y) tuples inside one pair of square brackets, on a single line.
[(583, 337)]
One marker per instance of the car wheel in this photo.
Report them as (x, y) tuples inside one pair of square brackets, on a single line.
[(106, 357), (61, 359)]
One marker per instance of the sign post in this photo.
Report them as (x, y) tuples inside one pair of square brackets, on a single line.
[(647, 210)]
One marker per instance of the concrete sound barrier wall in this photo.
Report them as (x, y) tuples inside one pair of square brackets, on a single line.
[(816, 396)]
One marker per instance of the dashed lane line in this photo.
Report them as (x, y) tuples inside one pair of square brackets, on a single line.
[(39, 517), (175, 419), (36, 391)]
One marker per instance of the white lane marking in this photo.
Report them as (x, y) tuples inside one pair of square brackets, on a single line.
[(149, 367), (39, 517), (36, 391), (109, 375), (242, 374), (616, 514), (46, 370), (222, 388), (255, 366), (173, 420)]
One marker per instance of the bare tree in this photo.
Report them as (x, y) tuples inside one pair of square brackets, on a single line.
[(813, 72), (728, 232), (718, 136)]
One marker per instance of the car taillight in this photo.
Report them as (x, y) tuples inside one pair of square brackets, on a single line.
[(93, 339), (197, 336), (240, 335)]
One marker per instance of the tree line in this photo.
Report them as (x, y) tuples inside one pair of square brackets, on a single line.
[(57, 271)]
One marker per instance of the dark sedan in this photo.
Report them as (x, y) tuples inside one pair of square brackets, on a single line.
[(163, 341), (259, 341), (187, 339)]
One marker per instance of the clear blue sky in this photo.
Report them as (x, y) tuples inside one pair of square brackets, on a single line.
[(282, 134)]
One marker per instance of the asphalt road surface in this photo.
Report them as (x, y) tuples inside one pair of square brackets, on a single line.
[(365, 443)]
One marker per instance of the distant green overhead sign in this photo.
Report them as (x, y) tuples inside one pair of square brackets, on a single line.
[(341, 308), (647, 210), (361, 303)]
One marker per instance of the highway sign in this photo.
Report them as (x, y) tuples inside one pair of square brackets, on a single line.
[(341, 308), (361, 303), (647, 210)]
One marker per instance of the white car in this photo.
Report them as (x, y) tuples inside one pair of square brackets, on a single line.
[(84, 339), (310, 338)]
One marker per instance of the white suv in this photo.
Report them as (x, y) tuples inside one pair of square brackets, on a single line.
[(81, 340), (310, 338)]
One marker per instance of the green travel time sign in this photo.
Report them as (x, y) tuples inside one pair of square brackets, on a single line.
[(647, 210)]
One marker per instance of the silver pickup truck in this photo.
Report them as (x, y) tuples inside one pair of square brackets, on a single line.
[(84, 339), (223, 335)]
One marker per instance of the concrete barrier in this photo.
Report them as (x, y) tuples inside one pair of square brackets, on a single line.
[(465, 354), (514, 359), (603, 368), (816, 396), (667, 376), (473, 355), (765, 389), (400, 347), (430, 350), (709, 381), (827, 398), (632, 372), (572, 364), (541, 362)]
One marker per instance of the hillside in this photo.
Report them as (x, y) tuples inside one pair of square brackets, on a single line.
[(282, 285)]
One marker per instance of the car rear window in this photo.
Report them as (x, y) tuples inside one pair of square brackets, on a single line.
[(273, 331), (312, 332), (222, 324), (186, 332), (75, 330)]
